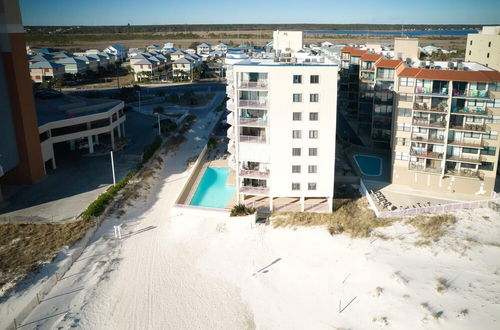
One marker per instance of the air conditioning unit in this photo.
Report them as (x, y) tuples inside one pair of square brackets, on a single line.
[(451, 66)]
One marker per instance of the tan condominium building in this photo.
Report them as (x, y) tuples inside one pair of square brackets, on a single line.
[(484, 47), (445, 129)]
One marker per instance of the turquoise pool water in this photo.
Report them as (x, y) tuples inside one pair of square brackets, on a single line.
[(369, 165), (212, 190)]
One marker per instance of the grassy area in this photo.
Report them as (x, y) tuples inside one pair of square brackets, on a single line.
[(24, 247), (356, 219)]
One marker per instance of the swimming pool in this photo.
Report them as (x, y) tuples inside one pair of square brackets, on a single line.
[(369, 165), (212, 190)]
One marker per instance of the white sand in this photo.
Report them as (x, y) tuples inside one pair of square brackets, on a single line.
[(202, 272)]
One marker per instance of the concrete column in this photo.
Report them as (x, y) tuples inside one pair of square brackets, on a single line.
[(53, 162), (91, 144), (330, 204), (72, 145), (119, 130), (97, 138), (123, 129), (302, 204), (112, 133), (271, 203)]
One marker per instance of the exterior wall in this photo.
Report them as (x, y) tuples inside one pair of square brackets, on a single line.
[(283, 40), (438, 177), (22, 106), (406, 48), (277, 152), (484, 49)]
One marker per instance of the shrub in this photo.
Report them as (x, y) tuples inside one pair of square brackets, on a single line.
[(158, 109), (241, 210), (212, 143), (151, 149)]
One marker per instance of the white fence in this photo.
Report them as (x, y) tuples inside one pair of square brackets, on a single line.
[(428, 209)]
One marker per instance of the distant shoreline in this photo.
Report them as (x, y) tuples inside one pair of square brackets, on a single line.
[(440, 32)]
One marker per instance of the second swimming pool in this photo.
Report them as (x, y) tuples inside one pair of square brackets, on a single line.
[(213, 190), (369, 165)]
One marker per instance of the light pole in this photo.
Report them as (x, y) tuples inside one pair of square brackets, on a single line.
[(159, 128), (113, 168), (139, 92)]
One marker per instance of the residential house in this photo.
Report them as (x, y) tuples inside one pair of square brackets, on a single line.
[(203, 48), (152, 48), (117, 50), (46, 70), (73, 65), (221, 47), (90, 61)]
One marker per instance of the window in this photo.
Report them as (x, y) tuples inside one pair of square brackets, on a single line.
[(312, 169), (296, 134), (313, 134), (297, 97), (469, 151), (313, 151), (295, 168), (403, 112), (490, 151), (486, 166), (311, 186), (489, 44), (470, 52), (295, 186), (313, 97), (405, 97), (297, 79), (404, 127), (493, 119), (401, 156), (314, 79), (487, 55), (313, 116), (297, 116), (296, 151), (471, 42), (406, 81), (401, 141), (491, 135)]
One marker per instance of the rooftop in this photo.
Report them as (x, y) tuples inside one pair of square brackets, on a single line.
[(54, 106), (469, 71)]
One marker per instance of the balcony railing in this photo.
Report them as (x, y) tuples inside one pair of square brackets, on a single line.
[(426, 107), (426, 154), (254, 174), (470, 111), (419, 138), (468, 173), (471, 144), (252, 103), (256, 122), (469, 127), (422, 168), (254, 190), (424, 122), (478, 93), (253, 139), (230, 105), (432, 92), (472, 160), (261, 84)]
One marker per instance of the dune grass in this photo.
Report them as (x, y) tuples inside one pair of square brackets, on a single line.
[(23, 247), (352, 217)]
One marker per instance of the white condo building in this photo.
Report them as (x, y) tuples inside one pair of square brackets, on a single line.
[(282, 138)]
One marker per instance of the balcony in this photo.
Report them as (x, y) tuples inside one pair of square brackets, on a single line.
[(230, 119), (466, 173), (438, 92), (253, 104), (253, 139), (253, 122), (230, 92), (426, 107), (230, 105), (429, 123), (424, 139), (469, 127), (261, 84), (470, 144), (471, 160), (421, 168), (255, 174), (254, 190), (426, 154), (470, 111)]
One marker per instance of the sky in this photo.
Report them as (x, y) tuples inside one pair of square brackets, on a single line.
[(152, 12)]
